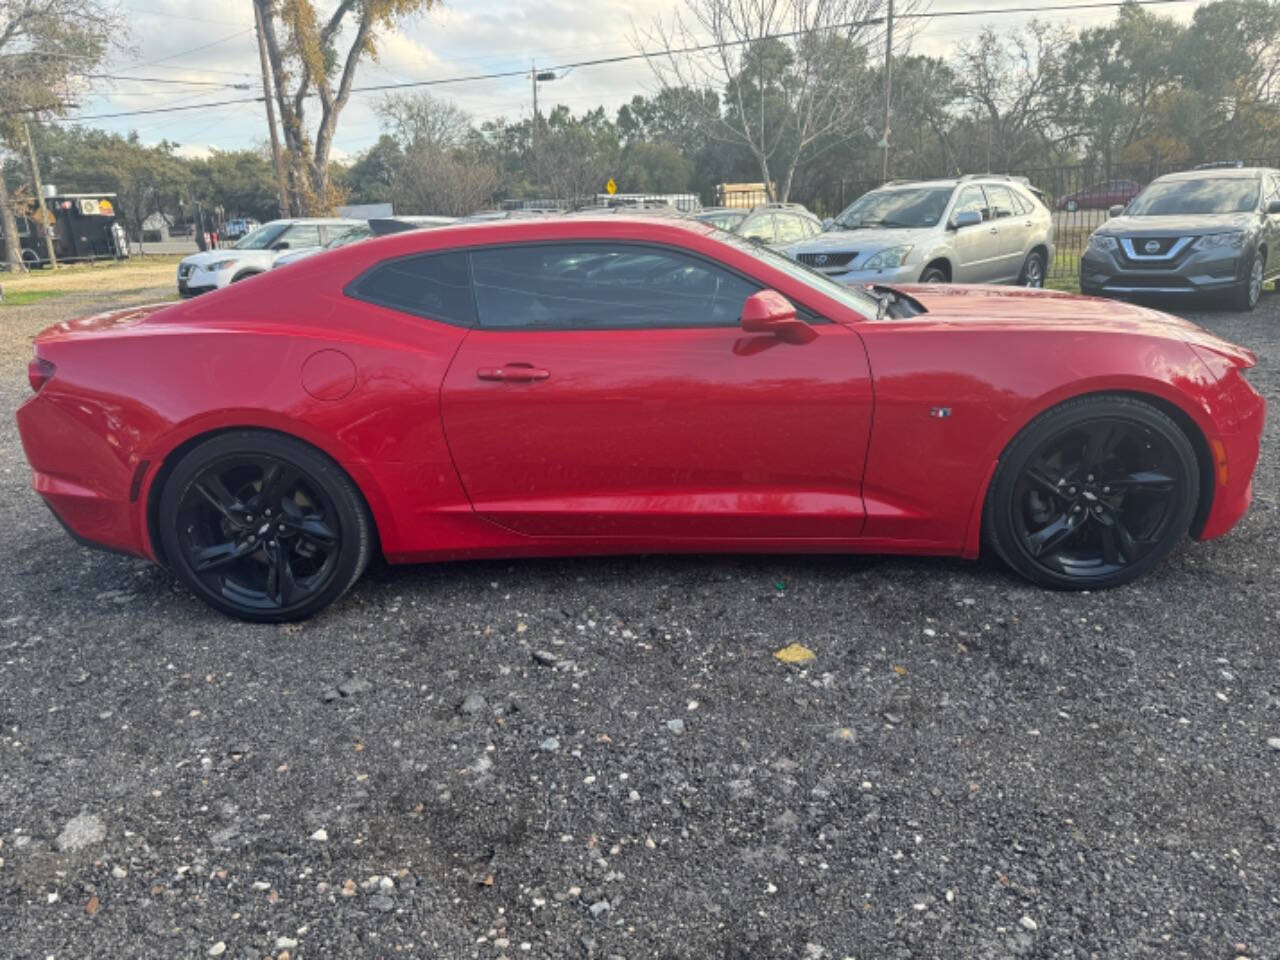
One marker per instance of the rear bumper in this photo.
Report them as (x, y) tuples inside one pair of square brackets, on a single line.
[(81, 478)]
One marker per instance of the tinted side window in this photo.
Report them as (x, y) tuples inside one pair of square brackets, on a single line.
[(435, 286), (602, 286), (972, 198)]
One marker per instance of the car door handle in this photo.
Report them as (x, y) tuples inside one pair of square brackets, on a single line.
[(514, 373)]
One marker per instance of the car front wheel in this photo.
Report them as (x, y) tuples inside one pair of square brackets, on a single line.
[(1092, 494), (263, 527), (1245, 297), (933, 275)]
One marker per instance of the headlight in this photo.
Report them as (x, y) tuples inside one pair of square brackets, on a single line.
[(219, 265), (889, 257), (1105, 244), (1214, 240)]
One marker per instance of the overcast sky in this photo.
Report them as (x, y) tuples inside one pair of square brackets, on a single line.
[(214, 42)]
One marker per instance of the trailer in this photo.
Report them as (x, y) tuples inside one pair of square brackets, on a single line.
[(83, 227)]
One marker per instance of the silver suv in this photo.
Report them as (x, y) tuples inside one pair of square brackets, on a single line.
[(975, 229)]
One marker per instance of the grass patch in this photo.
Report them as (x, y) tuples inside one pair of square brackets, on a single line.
[(103, 276), (1064, 272), (21, 298)]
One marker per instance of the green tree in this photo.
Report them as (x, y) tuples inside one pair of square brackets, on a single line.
[(369, 179)]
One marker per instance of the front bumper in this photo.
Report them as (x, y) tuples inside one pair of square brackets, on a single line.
[(907, 273), (196, 281), (1203, 271)]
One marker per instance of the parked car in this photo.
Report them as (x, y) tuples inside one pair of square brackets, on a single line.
[(773, 224), (237, 227), (627, 385), (256, 252), (976, 229), (1214, 230), (375, 227), (1100, 196)]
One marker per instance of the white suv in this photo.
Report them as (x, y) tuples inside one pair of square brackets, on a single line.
[(975, 229), (256, 252)]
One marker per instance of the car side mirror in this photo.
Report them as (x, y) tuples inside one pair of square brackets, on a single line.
[(1116, 210), (966, 218), (768, 311), (1273, 206)]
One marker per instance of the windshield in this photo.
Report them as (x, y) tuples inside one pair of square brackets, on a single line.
[(351, 236), (262, 238), (850, 296), (916, 207), (1210, 195), (725, 219)]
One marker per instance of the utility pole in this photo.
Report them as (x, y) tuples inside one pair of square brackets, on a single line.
[(282, 183), (45, 220), (888, 85), (533, 130)]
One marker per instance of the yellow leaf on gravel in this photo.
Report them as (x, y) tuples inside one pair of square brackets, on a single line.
[(794, 653), (899, 670)]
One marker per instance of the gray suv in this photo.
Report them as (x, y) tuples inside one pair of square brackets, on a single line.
[(1209, 230), (975, 229)]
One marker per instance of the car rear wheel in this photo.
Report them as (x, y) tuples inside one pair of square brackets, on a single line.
[(263, 527), (1245, 297), (1092, 494), (1032, 270)]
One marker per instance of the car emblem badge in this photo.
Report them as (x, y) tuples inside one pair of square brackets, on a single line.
[(820, 259), (1152, 246)]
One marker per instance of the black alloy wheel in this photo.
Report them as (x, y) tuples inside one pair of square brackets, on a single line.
[(263, 527), (1093, 493)]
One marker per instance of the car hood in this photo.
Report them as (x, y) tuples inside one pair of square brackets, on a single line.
[(261, 257), (868, 238), (1018, 308), (290, 256), (1175, 226)]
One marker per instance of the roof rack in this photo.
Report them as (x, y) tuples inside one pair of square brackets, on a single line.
[(777, 205), (1220, 165), (984, 176)]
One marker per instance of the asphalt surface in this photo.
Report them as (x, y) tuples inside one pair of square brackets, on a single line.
[(971, 767)]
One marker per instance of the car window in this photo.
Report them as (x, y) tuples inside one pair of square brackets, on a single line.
[(1000, 200), (585, 286), (434, 285), (972, 198), (789, 228), (301, 235), (758, 228), (1205, 195), (1022, 204)]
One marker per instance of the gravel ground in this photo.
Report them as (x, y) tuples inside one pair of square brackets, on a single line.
[(603, 758)]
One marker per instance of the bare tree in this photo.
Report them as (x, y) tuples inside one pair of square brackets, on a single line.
[(793, 73), (305, 61), (448, 183), (419, 119)]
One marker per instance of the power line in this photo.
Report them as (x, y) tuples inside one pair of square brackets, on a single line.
[(644, 55), (187, 83)]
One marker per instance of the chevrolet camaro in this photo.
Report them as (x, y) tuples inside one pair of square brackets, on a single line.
[(611, 385)]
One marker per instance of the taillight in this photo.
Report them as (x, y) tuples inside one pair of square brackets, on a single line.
[(39, 372)]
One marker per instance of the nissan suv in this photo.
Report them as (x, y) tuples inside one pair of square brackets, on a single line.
[(975, 229), (1210, 230), (255, 252)]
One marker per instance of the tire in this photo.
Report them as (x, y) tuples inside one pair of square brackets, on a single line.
[(263, 526), (1071, 206), (1032, 274), (934, 274), (1092, 494), (1245, 297), (245, 276)]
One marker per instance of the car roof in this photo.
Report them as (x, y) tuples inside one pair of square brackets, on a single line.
[(1219, 173), (320, 221)]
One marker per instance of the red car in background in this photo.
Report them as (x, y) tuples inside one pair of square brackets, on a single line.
[(1100, 196), (625, 384)]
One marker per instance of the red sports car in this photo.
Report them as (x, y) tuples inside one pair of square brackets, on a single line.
[(620, 384)]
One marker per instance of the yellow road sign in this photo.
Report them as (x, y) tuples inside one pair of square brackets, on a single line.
[(611, 187)]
